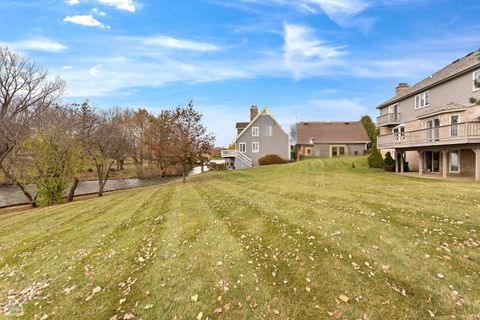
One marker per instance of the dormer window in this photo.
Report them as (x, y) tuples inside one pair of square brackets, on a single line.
[(255, 131), (476, 80), (422, 100)]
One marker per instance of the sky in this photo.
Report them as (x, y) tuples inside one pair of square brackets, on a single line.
[(305, 60)]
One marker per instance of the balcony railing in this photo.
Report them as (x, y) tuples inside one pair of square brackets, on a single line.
[(236, 154), (465, 132), (388, 119)]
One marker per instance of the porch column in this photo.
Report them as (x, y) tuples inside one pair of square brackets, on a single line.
[(444, 163), (396, 161), (477, 164), (420, 163), (402, 169)]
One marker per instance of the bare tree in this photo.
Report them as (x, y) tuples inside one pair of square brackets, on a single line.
[(141, 120), (25, 89), (103, 137), (189, 138), (158, 138)]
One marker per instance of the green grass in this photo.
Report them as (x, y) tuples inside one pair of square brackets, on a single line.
[(279, 242)]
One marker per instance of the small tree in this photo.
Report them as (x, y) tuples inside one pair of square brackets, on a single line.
[(25, 90), (389, 162), (55, 154), (189, 137), (375, 158)]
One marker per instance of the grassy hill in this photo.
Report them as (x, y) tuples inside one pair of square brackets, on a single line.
[(311, 240)]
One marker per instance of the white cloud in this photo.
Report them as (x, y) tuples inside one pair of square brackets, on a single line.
[(37, 44), (67, 67), (127, 5), (100, 13), (174, 43), (72, 2), (95, 71), (304, 53), (86, 20)]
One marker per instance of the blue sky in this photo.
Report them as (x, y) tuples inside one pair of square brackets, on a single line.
[(303, 59)]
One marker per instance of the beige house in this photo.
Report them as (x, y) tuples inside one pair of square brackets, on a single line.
[(435, 124), (331, 139)]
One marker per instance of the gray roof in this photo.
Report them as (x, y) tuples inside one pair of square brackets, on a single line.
[(456, 68), (449, 107)]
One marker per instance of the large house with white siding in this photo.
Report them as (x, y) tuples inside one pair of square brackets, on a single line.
[(435, 124)]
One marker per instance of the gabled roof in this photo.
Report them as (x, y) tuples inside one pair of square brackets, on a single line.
[(331, 132), (264, 112), (460, 66), (449, 107)]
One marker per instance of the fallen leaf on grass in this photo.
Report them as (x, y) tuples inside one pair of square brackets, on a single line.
[(194, 298), (200, 316), (343, 298)]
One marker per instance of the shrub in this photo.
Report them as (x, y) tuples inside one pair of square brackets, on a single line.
[(270, 159), (213, 166), (389, 162), (375, 159)]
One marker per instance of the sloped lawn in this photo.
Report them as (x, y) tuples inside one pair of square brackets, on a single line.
[(312, 240)]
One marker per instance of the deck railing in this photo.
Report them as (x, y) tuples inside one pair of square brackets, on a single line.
[(389, 118), (236, 154), (442, 135)]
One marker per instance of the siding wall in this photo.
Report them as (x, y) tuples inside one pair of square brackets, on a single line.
[(322, 150), (458, 90), (278, 143)]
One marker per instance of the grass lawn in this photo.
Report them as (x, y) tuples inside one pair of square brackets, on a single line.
[(311, 240)]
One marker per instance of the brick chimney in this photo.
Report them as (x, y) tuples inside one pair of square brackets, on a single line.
[(401, 88), (253, 112)]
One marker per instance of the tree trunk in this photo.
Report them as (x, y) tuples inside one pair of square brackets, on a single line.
[(27, 194), (201, 168), (71, 192), (122, 162), (101, 185), (184, 173)]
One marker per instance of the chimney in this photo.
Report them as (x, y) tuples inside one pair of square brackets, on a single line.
[(253, 112), (401, 88)]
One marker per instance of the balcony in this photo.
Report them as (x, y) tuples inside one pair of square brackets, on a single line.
[(461, 133), (388, 119)]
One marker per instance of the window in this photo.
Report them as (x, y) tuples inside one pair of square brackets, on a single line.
[(454, 120), (455, 161), (399, 133), (255, 132), (255, 147), (268, 131), (242, 147), (337, 151), (476, 80), (422, 100)]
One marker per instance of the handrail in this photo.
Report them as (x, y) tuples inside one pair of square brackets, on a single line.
[(236, 154), (390, 117), (451, 132)]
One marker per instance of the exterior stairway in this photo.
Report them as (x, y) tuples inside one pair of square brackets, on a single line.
[(237, 154)]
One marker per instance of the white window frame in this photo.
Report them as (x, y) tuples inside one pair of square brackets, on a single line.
[(399, 135), (255, 131), (255, 147), (269, 131), (474, 76), (244, 144), (425, 97), (450, 161), (450, 122), (391, 109)]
